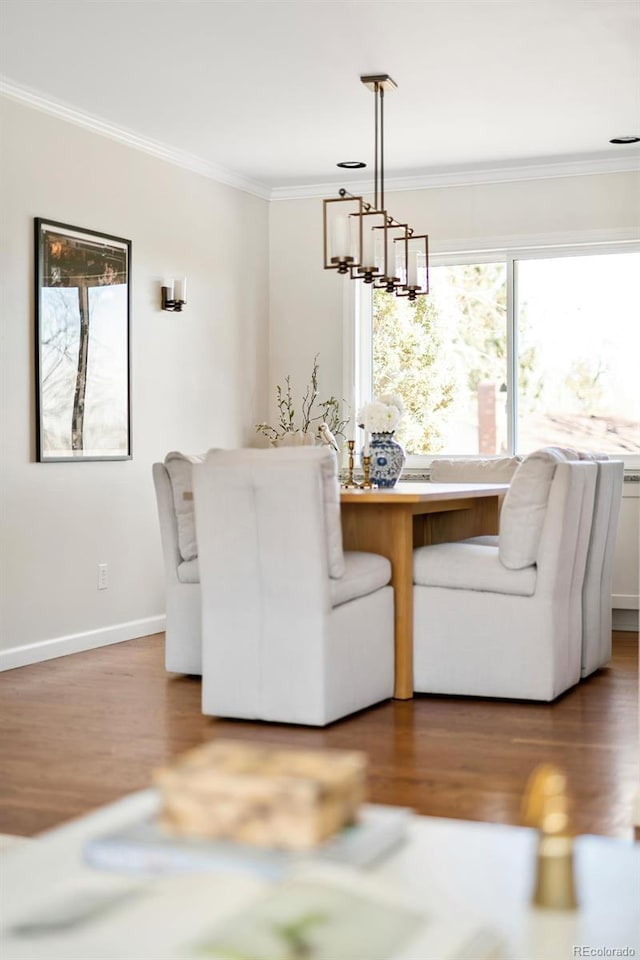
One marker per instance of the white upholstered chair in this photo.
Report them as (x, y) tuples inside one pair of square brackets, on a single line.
[(174, 493), (294, 630), (598, 578), (505, 620)]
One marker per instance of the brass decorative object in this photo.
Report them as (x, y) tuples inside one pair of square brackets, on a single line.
[(366, 468), (350, 483), (546, 807)]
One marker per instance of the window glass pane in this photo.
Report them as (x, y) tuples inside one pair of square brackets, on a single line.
[(579, 353), (445, 355)]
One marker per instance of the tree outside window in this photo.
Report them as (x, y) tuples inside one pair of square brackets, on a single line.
[(574, 327)]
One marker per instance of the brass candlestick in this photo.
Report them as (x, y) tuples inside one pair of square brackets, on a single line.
[(350, 482), (366, 467), (546, 806)]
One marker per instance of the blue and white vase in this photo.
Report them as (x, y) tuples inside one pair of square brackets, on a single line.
[(387, 459)]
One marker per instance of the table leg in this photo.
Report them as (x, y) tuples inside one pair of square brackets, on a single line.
[(402, 581), (389, 531)]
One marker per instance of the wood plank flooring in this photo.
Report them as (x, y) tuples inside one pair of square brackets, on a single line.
[(83, 730)]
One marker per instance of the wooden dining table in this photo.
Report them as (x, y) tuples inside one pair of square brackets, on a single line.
[(394, 521)]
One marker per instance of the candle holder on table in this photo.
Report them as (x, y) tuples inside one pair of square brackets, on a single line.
[(350, 483), (366, 467)]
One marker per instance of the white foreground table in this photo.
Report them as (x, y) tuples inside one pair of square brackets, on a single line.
[(466, 876)]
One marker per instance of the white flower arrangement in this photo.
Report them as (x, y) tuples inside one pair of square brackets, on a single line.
[(382, 415)]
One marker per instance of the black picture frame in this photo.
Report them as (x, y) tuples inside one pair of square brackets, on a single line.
[(82, 344)]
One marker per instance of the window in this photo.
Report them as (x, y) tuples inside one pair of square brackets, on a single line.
[(513, 352), (579, 353)]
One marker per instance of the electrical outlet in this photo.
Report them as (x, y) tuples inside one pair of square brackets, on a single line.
[(103, 576)]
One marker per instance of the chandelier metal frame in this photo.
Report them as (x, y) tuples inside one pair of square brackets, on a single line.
[(362, 239)]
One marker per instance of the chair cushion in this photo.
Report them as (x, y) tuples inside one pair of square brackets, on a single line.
[(179, 467), (363, 574), (470, 566), (525, 505), (487, 540), (499, 470), (189, 571)]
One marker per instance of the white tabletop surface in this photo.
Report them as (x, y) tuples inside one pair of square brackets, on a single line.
[(465, 876)]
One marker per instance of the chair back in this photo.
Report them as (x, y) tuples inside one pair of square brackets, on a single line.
[(183, 637), (567, 526), (167, 518), (562, 555), (264, 576), (596, 596), (474, 470)]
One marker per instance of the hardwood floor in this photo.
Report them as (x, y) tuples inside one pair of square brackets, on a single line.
[(86, 729)]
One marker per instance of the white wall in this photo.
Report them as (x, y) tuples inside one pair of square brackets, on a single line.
[(198, 378), (307, 301)]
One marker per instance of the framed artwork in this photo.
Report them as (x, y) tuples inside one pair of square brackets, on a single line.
[(83, 370)]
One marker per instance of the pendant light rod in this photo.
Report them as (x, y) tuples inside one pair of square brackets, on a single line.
[(375, 149), (381, 101), (378, 83)]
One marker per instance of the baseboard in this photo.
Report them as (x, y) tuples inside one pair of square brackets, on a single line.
[(625, 620), (625, 601), (78, 642)]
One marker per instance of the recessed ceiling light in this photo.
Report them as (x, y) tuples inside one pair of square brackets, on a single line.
[(351, 164), (625, 140)]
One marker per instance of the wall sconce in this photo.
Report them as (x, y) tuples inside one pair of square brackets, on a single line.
[(174, 295)]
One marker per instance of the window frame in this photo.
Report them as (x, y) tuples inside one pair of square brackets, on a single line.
[(357, 347)]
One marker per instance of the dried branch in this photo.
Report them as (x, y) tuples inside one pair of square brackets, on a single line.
[(329, 410)]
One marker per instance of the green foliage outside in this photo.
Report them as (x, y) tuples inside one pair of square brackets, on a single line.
[(436, 351), (408, 360)]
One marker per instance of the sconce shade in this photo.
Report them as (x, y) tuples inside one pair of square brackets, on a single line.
[(181, 290), (174, 295)]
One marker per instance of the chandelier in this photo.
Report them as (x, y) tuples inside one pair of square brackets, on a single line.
[(361, 239)]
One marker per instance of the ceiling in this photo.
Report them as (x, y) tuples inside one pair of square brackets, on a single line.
[(269, 89)]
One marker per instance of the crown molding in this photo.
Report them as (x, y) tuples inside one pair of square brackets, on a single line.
[(626, 161), (540, 169), (180, 158)]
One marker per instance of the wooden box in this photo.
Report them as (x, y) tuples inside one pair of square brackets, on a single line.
[(265, 795)]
